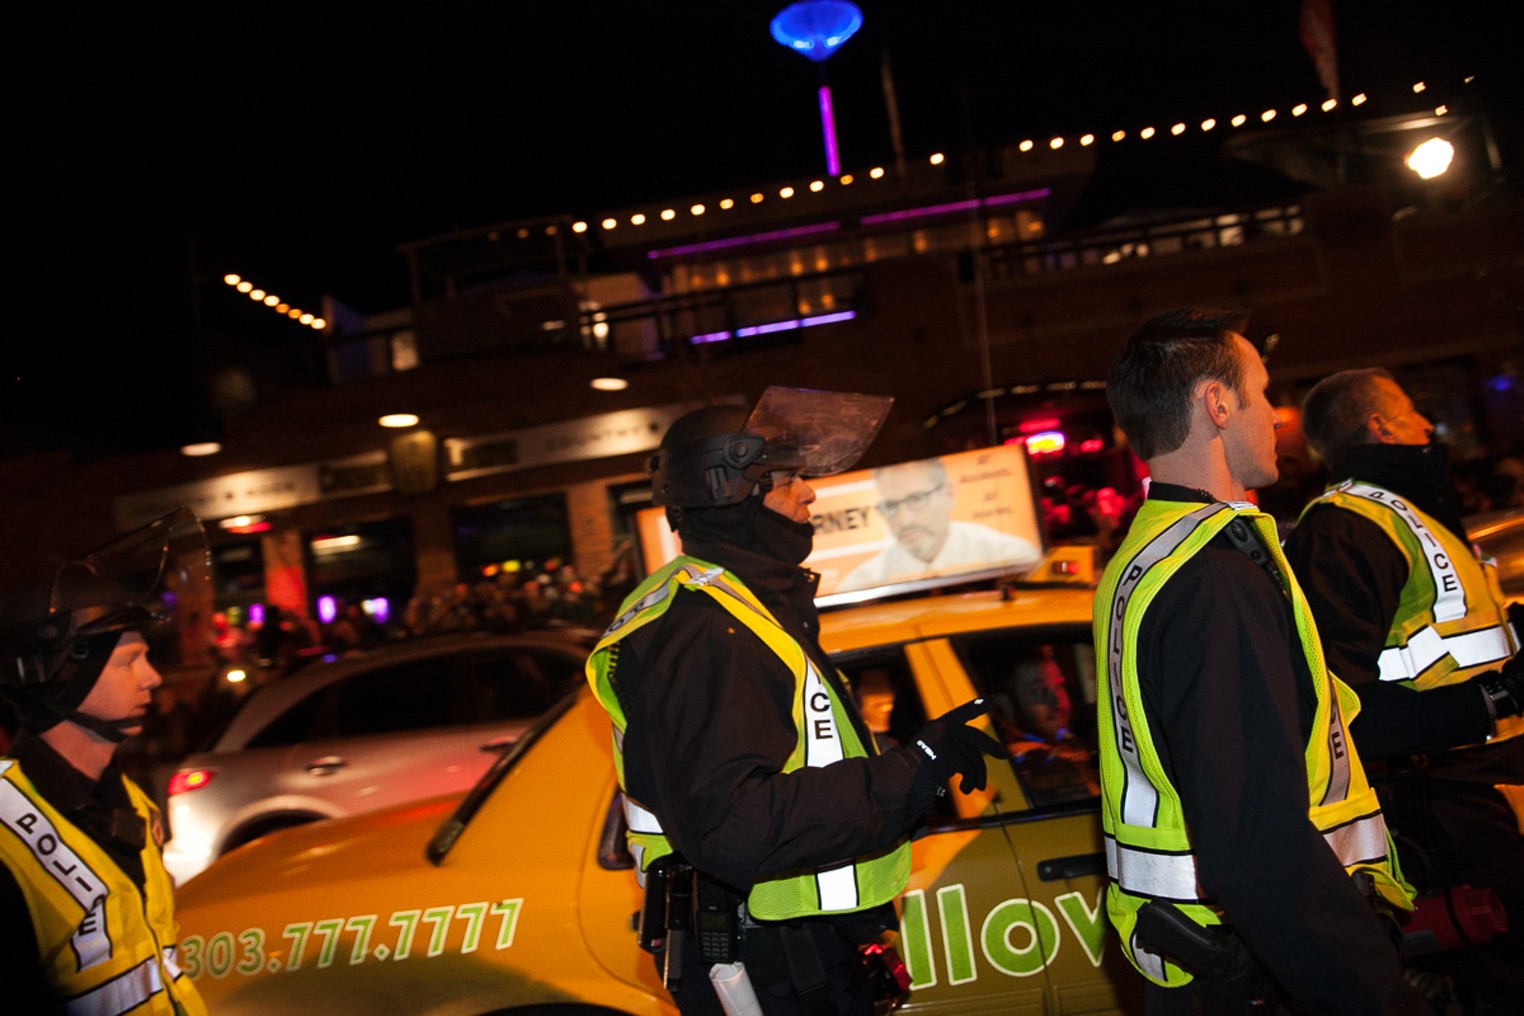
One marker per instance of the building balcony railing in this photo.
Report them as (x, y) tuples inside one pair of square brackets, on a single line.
[(1111, 246), (736, 316)]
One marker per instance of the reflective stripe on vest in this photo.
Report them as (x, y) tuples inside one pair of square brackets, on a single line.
[(120, 994), (639, 822), (1172, 876), (1360, 841), (1449, 594), (1427, 647), (19, 815), (1157, 873)]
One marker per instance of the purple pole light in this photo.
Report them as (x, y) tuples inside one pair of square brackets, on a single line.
[(816, 29), (828, 129)]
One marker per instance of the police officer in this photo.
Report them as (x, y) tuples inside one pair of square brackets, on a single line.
[(1244, 845), (86, 907), (1403, 605), (738, 746)]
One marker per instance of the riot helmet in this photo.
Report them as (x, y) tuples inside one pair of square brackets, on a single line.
[(56, 636), (720, 455)]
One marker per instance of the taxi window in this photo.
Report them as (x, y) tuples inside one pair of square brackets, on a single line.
[(518, 685), (1041, 688), (883, 687), (885, 693), (409, 696), (292, 726)]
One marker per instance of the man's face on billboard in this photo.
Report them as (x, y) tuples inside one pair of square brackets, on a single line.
[(916, 501)]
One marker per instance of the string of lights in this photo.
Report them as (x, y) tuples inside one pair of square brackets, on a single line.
[(1176, 128), (274, 302)]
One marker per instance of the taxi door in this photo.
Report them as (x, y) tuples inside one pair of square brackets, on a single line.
[(1005, 906)]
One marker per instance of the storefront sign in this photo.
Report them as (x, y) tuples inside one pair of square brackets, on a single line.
[(259, 490), (267, 490), (592, 437)]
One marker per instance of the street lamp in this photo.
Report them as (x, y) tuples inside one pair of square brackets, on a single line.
[(1430, 159), (816, 29)]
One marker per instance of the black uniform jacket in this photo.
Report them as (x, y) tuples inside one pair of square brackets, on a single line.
[(710, 727)]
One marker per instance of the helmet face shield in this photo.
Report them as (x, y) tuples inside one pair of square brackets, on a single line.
[(148, 569), (815, 432), (130, 584), (720, 455)]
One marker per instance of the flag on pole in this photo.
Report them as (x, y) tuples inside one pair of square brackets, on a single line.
[(1318, 37)]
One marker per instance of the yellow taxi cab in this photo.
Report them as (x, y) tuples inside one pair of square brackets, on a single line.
[(519, 898)]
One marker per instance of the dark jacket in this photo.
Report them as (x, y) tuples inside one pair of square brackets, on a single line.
[(710, 727)]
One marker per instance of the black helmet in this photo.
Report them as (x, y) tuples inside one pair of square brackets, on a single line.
[(56, 636), (40, 626), (718, 455)]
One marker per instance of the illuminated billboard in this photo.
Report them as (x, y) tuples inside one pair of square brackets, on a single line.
[(908, 526)]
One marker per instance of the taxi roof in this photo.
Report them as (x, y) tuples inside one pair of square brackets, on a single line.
[(888, 623)]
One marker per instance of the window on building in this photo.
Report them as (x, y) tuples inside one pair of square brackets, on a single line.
[(359, 563), (238, 573), (517, 534)]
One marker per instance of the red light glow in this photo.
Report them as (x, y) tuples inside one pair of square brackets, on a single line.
[(190, 779), (1048, 442)]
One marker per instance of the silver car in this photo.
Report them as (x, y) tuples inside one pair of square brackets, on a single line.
[(1500, 535), (397, 724)]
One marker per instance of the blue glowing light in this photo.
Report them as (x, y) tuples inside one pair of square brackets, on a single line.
[(816, 28)]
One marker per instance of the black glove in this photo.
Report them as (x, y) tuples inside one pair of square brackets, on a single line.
[(948, 745), (1504, 688)]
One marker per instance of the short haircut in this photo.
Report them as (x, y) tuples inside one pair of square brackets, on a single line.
[(1163, 360), (1335, 412)]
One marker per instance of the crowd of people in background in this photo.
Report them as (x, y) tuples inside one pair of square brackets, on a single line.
[(552, 595), (513, 601)]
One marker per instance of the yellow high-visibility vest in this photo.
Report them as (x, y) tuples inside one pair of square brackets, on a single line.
[(825, 734), (1450, 624), (1148, 847), (106, 946)]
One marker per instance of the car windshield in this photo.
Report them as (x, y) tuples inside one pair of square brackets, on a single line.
[(445, 836)]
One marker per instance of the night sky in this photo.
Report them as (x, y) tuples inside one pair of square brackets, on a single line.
[(153, 150)]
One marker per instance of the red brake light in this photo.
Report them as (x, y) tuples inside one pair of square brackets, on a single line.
[(190, 779)]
